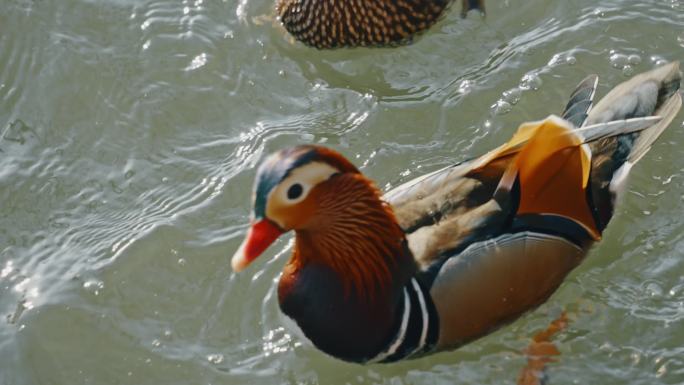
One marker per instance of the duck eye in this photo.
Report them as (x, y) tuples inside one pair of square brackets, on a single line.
[(295, 191)]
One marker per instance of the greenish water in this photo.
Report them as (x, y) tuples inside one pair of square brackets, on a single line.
[(129, 132)]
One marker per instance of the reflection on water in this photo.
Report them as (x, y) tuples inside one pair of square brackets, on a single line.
[(128, 136)]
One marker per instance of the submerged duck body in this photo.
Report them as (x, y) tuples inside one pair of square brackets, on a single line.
[(452, 255), (352, 23)]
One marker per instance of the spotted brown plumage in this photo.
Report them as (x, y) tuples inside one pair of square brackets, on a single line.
[(351, 23), (450, 256)]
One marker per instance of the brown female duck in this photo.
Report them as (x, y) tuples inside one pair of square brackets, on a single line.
[(450, 256), (353, 23)]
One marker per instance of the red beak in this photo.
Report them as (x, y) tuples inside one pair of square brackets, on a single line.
[(259, 237)]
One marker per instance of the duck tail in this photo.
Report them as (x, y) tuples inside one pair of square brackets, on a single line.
[(654, 96), (581, 101), (469, 5), (577, 173)]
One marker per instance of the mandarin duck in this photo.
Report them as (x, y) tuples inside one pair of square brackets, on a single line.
[(352, 23), (455, 254)]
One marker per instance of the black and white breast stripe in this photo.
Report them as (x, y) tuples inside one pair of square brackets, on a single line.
[(418, 328)]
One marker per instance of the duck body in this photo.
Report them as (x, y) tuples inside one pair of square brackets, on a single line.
[(450, 256), (351, 23)]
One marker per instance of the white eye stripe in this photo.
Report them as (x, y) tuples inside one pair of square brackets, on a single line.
[(306, 176), (277, 200)]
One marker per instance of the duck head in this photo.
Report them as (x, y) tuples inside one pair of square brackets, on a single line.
[(285, 196), (338, 216)]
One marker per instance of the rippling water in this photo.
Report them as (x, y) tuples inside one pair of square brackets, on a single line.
[(129, 132)]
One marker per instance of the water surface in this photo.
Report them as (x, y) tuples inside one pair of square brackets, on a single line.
[(129, 132)]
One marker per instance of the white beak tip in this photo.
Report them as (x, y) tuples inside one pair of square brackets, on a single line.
[(239, 262)]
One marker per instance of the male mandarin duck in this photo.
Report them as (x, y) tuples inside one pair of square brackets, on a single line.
[(353, 23), (450, 256)]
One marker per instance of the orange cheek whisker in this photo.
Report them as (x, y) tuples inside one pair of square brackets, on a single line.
[(356, 235)]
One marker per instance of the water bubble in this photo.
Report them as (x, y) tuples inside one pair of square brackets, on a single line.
[(658, 61), (530, 82), (465, 86), (559, 59), (93, 286), (9, 267), (634, 60), (197, 62), (281, 73), (215, 358), (654, 290), (182, 262), (607, 347), (115, 188), (628, 70), (599, 12), (501, 107), (618, 60), (556, 59), (156, 343), (512, 96)]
